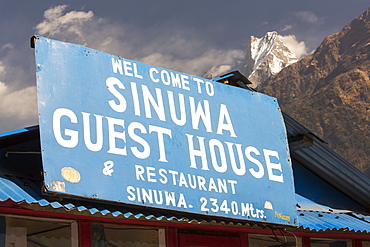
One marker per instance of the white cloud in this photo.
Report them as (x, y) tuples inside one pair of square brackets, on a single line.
[(171, 49), (309, 17), (286, 28), (18, 108), (6, 46), (56, 22), (213, 61), (2, 70), (3, 88), (299, 48)]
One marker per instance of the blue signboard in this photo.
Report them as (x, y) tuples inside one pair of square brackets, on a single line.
[(120, 130)]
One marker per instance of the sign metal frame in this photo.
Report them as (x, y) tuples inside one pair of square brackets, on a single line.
[(119, 130)]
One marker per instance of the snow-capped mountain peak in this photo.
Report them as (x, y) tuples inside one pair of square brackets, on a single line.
[(266, 56)]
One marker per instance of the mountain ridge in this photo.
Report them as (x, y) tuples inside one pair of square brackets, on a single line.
[(329, 91)]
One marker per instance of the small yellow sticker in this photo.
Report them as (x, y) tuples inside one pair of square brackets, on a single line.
[(281, 216), (70, 174)]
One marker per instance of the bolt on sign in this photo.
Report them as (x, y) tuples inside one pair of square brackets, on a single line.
[(123, 131)]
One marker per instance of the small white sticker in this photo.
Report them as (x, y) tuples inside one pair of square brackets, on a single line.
[(268, 205), (59, 186)]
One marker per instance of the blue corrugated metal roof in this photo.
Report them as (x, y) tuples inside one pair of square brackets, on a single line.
[(363, 217), (313, 216), (26, 192), (320, 221)]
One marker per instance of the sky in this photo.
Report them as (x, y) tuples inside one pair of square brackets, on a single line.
[(193, 36)]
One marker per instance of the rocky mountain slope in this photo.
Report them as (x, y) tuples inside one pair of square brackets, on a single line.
[(264, 57), (329, 91)]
